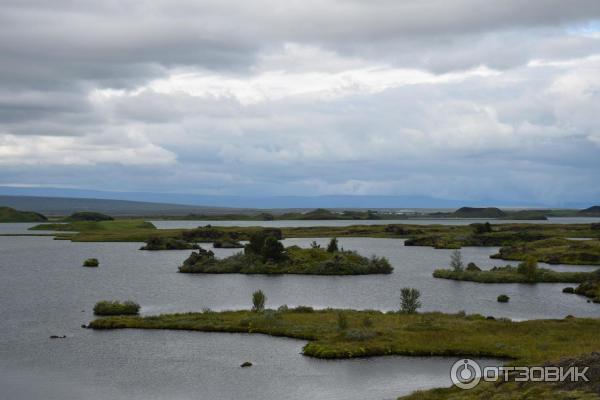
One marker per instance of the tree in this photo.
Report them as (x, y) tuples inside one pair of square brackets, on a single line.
[(456, 262), (409, 300), (272, 249), (528, 267), (258, 301), (332, 247)]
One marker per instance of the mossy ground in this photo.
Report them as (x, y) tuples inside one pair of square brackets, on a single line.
[(429, 334), (510, 274)]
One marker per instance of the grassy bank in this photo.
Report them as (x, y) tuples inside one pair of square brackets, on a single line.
[(510, 274), (373, 333), (554, 251)]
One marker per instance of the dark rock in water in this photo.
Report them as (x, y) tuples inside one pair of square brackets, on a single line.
[(58, 337), (503, 298), (569, 290), (84, 326), (246, 364)]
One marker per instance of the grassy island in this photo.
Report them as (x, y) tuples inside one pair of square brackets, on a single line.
[(509, 274), (374, 333), (266, 255), (91, 262), (166, 243), (554, 251), (106, 307)]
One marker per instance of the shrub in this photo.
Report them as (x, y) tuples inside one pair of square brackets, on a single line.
[(456, 262), (409, 300), (91, 262), (258, 301), (367, 322), (528, 268), (303, 309), (569, 290), (332, 247), (503, 298), (89, 216), (342, 321), (106, 307), (472, 267)]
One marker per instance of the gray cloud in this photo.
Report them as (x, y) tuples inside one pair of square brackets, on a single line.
[(315, 96)]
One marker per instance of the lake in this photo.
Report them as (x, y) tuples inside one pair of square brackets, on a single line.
[(188, 224), (44, 291)]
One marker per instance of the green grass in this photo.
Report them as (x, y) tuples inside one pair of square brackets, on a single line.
[(312, 261), (106, 307), (505, 391), (510, 274), (554, 251), (8, 214), (430, 334), (166, 243)]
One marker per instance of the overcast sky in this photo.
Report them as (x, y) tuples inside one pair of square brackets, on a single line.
[(462, 99)]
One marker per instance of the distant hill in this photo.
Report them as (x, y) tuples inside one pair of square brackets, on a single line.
[(475, 212), (63, 206), (9, 214), (593, 211)]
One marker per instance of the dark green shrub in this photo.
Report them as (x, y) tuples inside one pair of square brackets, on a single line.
[(503, 298), (332, 247), (106, 307), (569, 290), (456, 263), (91, 262), (409, 300), (303, 309), (258, 301), (528, 267)]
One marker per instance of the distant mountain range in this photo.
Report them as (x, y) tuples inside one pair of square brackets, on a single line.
[(269, 202)]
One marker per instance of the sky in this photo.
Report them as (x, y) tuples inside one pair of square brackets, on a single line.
[(455, 99)]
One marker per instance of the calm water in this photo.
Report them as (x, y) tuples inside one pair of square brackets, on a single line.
[(45, 291), (281, 224)]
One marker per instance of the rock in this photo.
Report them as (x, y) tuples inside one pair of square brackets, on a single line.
[(84, 326), (246, 364), (569, 290), (58, 337), (503, 298)]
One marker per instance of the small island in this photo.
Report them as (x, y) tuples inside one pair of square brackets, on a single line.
[(167, 243), (91, 262), (527, 272), (107, 308), (265, 254)]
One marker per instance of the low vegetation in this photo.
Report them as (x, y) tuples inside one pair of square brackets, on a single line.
[(589, 288), (91, 262), (8, 214), (503, 298), (108, 308), (88, 216), (166, 243), (426, 334), (509, 274), (266, 255), (554, 251)]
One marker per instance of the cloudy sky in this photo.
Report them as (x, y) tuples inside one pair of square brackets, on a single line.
[(461, 99)]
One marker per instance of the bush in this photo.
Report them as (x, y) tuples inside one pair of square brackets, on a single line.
[(503, 298), (528, 268), (106, 307), (472, 267), (303, 309), (456, 262), (89, 216), (409, 300), (569, 290), (332, 247), (91, 262), (258, 301), (367, 322)]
